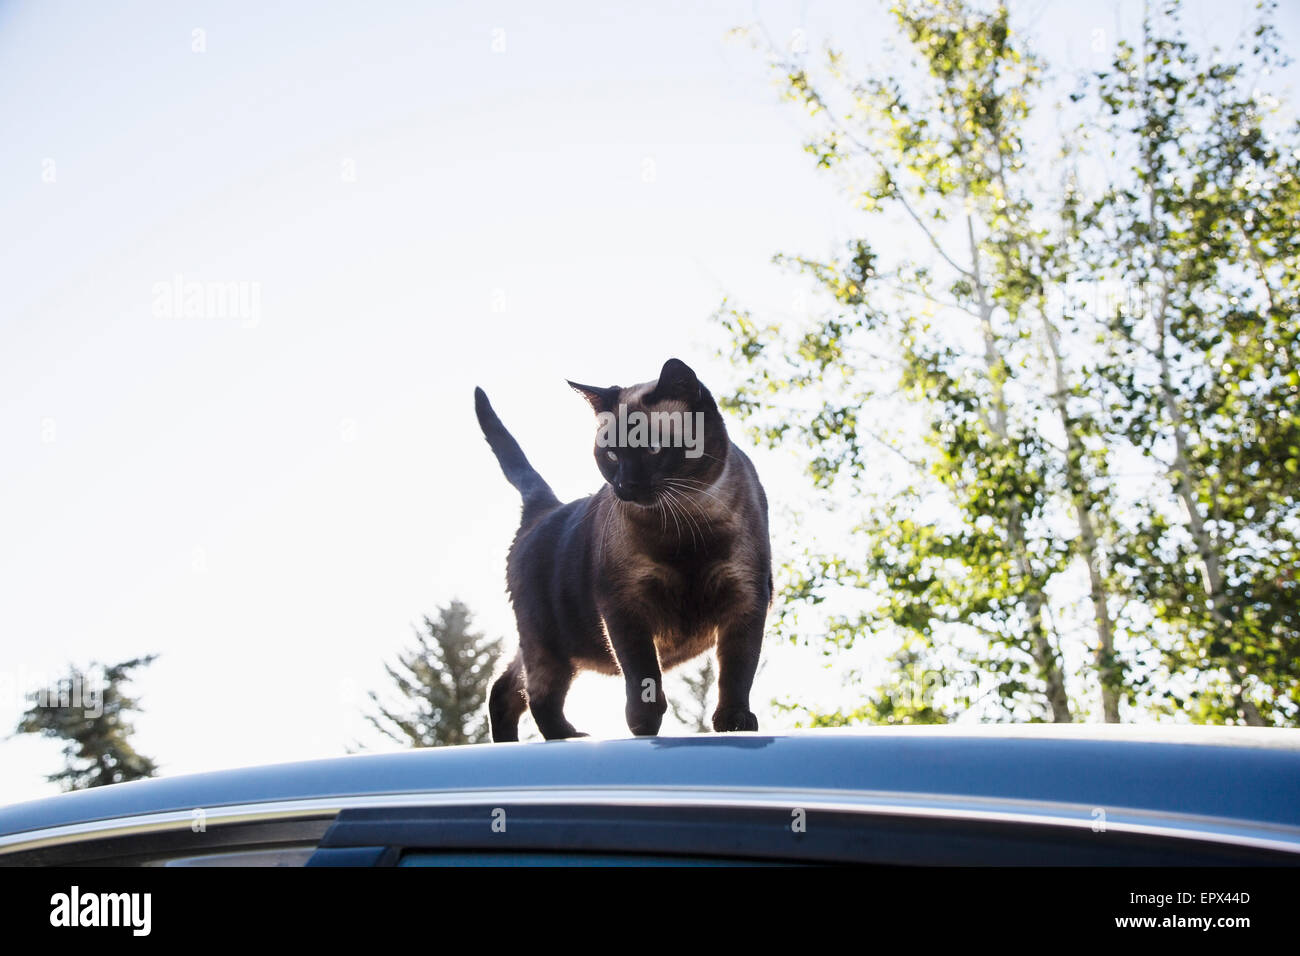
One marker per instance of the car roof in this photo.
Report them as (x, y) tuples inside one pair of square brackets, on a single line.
[(1242, 773)]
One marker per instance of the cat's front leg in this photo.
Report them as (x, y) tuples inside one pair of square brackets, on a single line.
[(634, 647), (739, 644)]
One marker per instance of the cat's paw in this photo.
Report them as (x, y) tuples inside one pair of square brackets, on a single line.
[(644, 721), (563, 732), (645, 717), (734, 718)]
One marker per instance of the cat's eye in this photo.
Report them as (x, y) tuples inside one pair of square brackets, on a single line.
[(611, 456)]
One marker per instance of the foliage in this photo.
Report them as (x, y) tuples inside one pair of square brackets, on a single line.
[(1201, 370), (442, 682), (1097, 508), (88, 709), (693, 708)]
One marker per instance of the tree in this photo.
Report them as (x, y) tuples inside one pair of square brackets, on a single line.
[(88, 710), (1203, 367), (694, 708), (1009, 516), (442, 682)]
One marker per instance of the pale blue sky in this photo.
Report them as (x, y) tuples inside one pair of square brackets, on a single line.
[(270, 504)]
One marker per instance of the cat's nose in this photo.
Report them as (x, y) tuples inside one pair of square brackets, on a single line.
[(632, 490)]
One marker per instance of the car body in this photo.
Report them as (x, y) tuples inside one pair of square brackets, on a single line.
[(952, 795)]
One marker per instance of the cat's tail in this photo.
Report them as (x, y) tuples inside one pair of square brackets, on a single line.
[(537, 494)]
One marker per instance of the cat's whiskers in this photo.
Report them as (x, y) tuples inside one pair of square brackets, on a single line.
[(673, 511), (663, 517), (604, 531), (683, 514), (678, 504), (686, 494), (591, 506), (706, 520), (694, 486)]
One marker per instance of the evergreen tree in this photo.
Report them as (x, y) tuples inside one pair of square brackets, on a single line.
[(441, 683), (88, 709)]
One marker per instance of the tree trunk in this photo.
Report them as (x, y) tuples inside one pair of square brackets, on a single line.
[(1043, 651), (1109, 673), (1211, 569)]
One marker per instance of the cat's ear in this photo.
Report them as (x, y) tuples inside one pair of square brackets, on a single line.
[(676, 380), (600, 399)]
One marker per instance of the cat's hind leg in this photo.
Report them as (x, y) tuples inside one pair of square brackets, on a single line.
[(548, 677), (507, 701)]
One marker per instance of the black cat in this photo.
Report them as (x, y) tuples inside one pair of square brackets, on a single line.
[(669, 559)]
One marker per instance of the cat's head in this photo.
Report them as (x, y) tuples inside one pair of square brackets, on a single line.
[(658, 438)]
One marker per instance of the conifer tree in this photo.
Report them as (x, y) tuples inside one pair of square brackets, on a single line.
[(88, 710), (440, 684)]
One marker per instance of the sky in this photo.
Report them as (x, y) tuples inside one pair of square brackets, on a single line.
[(408, 200)]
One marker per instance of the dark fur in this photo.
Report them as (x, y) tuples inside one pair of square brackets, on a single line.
[(666, 579)]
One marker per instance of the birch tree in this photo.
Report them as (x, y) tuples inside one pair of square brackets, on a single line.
[(1018, 568)]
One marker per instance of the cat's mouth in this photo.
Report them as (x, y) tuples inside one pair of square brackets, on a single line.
[(641, 499)]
